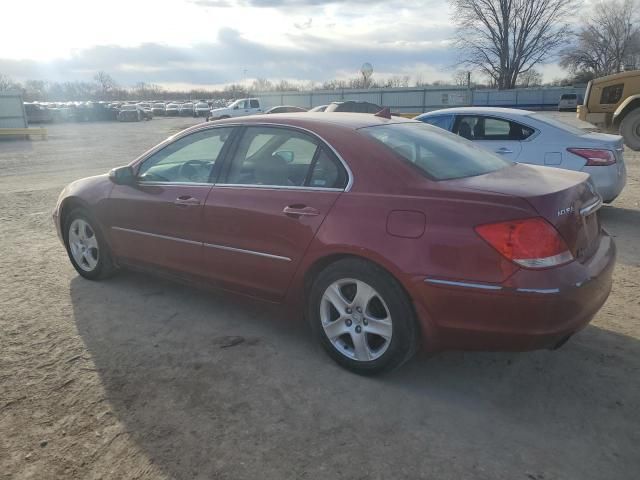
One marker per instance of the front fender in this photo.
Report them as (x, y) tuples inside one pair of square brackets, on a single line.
[(625, 107)]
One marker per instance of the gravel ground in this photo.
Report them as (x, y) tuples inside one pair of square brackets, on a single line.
[(135, 377)]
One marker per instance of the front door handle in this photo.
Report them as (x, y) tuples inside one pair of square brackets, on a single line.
[(504, 151), (300, 211), (186, 201)]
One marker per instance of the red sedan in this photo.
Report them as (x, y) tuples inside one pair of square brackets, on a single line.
[(389, 234)]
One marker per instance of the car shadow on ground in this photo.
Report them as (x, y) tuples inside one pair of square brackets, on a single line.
[(202, 405)]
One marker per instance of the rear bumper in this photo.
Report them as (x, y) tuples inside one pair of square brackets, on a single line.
[(609, 180), (533, 309)]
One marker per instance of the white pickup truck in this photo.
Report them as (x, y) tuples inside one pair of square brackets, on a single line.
[(239, 108)]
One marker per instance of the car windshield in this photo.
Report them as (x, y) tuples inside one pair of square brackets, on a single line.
[(159, 105), (557, 124), (129, 107), (187, 105), (440, 155)]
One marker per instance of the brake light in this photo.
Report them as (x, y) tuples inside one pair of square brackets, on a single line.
[(530, 243), (595, 157)]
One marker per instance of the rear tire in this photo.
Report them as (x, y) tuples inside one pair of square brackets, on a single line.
[(630, 129), (362, 317), (86, 247)]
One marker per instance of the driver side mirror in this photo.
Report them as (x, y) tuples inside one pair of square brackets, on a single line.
[(122, 175), (236, 107)]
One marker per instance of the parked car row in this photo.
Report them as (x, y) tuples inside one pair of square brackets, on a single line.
[(49, 112)]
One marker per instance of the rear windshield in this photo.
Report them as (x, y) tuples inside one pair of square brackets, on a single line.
[(439, 154), (569, 96), (557, 123)]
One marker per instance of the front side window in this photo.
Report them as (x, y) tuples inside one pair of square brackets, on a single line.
[(438, 154), (282, 157), (189, 159), (611, 94), (476, 127)]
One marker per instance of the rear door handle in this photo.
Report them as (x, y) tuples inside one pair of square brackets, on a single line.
[(300, 211), (186, 201), (504, 151)]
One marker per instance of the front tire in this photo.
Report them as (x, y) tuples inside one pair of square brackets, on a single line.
[(630, 129), (86, 247), (362, 317)]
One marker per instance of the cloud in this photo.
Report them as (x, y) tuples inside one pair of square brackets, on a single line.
[(308, 57)]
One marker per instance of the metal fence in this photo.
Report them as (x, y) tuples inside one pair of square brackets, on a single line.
[(12, 114), (418, 100)]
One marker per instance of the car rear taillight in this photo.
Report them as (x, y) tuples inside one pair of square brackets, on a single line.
[(531, 242), (594, 156)]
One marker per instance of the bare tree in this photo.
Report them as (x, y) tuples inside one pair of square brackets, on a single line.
[(7, 84), (261, 85), (609, 39), (506, 38), (462, 78), (106, 84), (532, 78)]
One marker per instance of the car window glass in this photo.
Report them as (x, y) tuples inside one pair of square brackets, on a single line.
[(327, 172), (442, 121), (189, 159), (255, 104), (489, 128), (611, 94), (440, 155), (272, 156)]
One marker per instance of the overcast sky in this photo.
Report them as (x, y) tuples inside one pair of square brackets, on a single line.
[(206, 43)]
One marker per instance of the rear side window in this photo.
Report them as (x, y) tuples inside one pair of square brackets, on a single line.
[(283, 157), (439, 155), (255, 104), (442, 121), (611, 94), (327, 172), (490, 128)]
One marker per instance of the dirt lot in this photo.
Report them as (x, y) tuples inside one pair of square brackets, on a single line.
[(128, 378)]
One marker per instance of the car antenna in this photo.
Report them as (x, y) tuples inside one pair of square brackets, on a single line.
[(384, 113)]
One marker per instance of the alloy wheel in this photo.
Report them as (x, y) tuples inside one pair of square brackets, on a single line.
[(83, 245), (356, 320)]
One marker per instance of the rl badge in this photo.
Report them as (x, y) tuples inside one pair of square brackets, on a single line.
[(566, 211)]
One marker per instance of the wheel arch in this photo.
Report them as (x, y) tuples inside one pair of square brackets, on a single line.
[(68, 205), (321, 263), (629, 105)]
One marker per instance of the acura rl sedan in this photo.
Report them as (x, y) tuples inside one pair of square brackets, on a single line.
[(386, 234)]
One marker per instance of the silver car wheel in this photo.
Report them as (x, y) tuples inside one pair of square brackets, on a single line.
[(356, 320), (83, 245)]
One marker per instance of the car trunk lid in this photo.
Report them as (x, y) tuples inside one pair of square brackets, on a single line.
[(566, 199)]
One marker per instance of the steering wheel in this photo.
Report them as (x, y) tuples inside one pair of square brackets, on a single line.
[(193, 169)]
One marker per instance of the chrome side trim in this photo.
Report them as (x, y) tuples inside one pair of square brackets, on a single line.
[(589, 209), (155, 235), (276, 187), (176, 184), (485, 286), (538, 290), (481, 286), (249, 252)]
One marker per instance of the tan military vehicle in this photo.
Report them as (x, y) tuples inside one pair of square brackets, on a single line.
[(613, 103)]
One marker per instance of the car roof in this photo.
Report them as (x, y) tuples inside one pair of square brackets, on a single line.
[(481, 110), (349, 120)]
